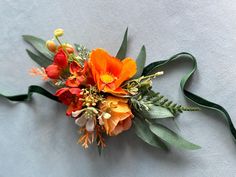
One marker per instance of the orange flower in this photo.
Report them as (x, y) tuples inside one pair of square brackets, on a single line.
[(109, 72), (120, 115), (79, 75), (71, 98)]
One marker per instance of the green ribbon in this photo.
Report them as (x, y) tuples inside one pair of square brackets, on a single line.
[(185, 79), (31, 89)]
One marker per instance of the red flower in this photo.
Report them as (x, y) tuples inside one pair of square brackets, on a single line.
[(71, 98), (59, 64), (53, 71), (79, 75)]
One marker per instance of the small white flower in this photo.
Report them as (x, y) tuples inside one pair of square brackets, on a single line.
[(93, 109), (106, 115), (100, 120), (87, 118), (77, 113)]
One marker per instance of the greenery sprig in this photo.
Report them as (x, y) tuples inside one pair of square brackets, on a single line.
[(146, 101)]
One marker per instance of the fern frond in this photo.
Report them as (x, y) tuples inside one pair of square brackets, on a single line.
[(145, 100)]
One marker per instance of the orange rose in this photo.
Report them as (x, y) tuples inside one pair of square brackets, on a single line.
[(110, 72), (120, 115)]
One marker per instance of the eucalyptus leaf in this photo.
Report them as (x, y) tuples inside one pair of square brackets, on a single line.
[(143, 132), (121, 54), (140, 61), (40, 60), (39, 45), (158, 112), (171, 137)]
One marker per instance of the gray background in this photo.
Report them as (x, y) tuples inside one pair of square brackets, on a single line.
[(37, 139)]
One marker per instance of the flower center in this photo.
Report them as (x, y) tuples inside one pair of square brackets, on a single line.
[(107, 78)]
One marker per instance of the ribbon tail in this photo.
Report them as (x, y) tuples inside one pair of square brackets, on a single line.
[(189, 95), (31, 89)]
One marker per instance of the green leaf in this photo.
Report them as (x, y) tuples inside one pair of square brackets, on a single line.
[(39, 45), (140, 61), (143, 132), (171, 137), (123, 48), (158, 112), (40, 60)]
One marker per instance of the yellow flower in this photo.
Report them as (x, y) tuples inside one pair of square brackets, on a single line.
[(58, 32), (121, 115)]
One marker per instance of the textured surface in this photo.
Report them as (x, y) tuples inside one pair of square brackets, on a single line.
[(36, 138)]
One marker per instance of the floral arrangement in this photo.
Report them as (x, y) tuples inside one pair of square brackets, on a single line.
[(107, 95)]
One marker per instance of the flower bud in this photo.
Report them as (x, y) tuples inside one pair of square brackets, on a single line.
[(69, 48), (53, 71), (106, 115), (51, 46), (60, 59), (58, 32)]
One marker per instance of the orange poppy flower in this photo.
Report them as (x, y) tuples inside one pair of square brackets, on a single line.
[(109, 72), (120, 115)]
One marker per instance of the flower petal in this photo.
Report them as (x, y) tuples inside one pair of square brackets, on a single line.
[(75, 91), (112, 122), (128, 70), (117, 130), (116, 91), (126, 124), (73, 107), (98, 60), (121, 108), (114, 66), (81, 121), (77, 113), (75, 67), (90, 125), (61, 91), (122, 126)]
